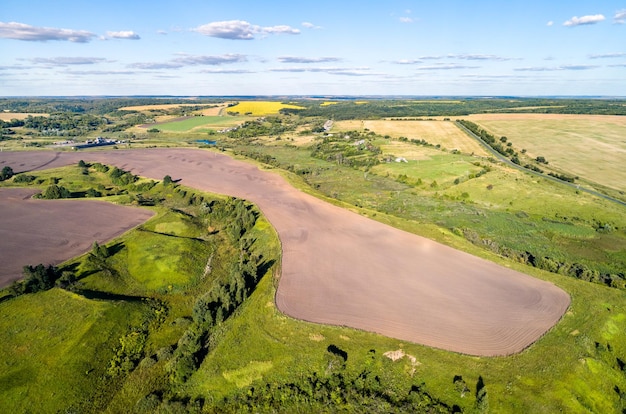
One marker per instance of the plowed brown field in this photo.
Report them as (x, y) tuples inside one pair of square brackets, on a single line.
[(52, 231), (344, 269)]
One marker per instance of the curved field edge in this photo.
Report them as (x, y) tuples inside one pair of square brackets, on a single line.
[(343, 285), (563, 371)]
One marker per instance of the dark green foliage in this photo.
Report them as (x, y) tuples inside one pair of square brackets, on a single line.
[(54, 192), (24, 178), (64, 124), (6, 173), (38, 278), (100, 167), (482, 403), (261, 127), (97, 259), (121, 177), (67, 280), (354, 149), (93, 193), (562, 177), (167, 180), (128, 353), (82, 164), (226, 295)]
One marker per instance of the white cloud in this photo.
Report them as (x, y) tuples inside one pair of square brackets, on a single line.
[(362, 71), (124, 34), (21, 31), (620, 17), (589, 19), (100, 72), (226, 71), (191, 60), (555, 68), (66, 61), (407, 61), (478, 57), (405, 20), (294, 59), (550, 23), (446, 66), (309, 25), (241, 30), (608, 55)]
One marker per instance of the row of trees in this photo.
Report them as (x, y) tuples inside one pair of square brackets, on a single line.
[(227, 293)]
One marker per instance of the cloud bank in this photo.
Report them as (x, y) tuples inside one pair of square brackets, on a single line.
[(241, 30), (578, 21), (21, 31), (128, 34)]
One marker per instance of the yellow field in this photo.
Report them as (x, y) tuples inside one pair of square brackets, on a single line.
[(7, 116), (209, 111), (260, 108), (329, 103), (592, 147), (446, 134)]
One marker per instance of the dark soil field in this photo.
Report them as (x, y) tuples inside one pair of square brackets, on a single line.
[(51, 231), (344, 269)]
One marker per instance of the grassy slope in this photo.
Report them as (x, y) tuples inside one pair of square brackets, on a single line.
[(54, 348)]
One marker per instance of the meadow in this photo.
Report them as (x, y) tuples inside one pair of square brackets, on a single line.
[(200, 124)]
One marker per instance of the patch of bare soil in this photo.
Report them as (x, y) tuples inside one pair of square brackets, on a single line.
[(341, 268), (51, 231)]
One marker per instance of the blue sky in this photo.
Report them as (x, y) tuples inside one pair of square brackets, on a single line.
[(244, 47)]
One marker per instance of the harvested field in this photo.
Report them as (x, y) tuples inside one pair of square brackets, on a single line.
[(444, 133), (590, 146), (51, 231), (7, 116), (341, 268), (213, 111)]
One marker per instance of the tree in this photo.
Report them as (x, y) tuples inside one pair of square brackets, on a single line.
[(39, 278), (167, 180), (97, 258), (6, 173), (54, 192)]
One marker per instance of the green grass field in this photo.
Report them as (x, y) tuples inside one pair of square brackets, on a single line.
[(201, 123), (55, 349)]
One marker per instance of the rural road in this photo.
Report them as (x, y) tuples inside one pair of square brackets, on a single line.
[(510, 163), (343, 269)]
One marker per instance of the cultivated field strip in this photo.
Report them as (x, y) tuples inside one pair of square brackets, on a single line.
[(341, 268)]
